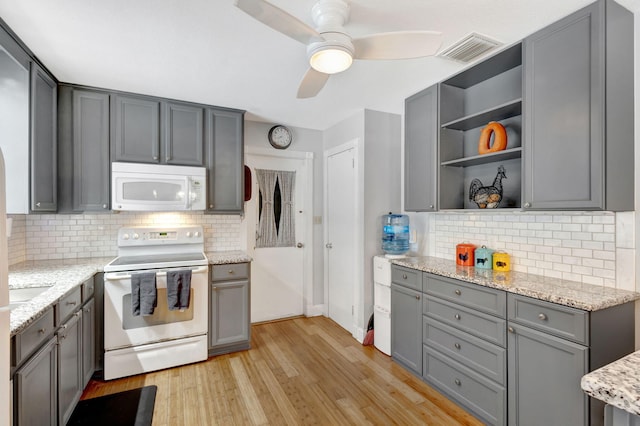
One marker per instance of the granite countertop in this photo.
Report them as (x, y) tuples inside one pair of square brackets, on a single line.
[(65, 274), (617, 384), (225, 257), (59, 275), (578, 295)]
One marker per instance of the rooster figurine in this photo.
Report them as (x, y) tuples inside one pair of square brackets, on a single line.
[(487, 197)]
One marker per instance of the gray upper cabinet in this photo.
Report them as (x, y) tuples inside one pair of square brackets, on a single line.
[(578, 106), (184, 130), (225, 161), (421, 151), (135, 129), (43, 141), (83, 143), (153, 130), (490, 91)]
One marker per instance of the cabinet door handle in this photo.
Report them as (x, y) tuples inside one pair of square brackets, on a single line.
[(87, 310), (511, 330), (417, 297), (62, 337), (457, 346), (210, 206), (457, 316), (430, 206), (527, 205), (458, 292), (230, 271), (542, 317), (457, 382), (104, 206), (41, 331), (73, 303), (215, 288), (37, 204), (404, 276), (155, 157), (77, 314)]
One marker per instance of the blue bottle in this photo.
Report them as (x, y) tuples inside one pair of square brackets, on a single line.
[(395, 233)]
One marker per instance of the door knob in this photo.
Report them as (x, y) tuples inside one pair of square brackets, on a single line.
[(299, 245), (329, 245)]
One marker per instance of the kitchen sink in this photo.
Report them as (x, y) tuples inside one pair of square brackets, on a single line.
[(22, 295)]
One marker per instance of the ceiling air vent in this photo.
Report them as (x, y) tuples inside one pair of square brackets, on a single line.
[(469, 48)]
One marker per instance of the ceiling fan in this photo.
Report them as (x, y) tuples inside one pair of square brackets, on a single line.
[(330, 48)]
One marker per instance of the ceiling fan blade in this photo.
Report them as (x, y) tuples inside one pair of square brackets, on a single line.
[(397, 45), (311, 84), (279, 20)]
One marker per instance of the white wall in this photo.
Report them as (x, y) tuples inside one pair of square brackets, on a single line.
[(379, 138)]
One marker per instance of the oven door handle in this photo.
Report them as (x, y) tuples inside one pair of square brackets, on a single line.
[(159, 273)]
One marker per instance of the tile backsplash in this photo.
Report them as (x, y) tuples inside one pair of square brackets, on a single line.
[(61, 236), (577, 246)]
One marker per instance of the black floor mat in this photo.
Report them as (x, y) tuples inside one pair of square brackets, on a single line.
[(129, 408)]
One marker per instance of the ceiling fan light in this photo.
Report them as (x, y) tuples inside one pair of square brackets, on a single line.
[(331, 60)]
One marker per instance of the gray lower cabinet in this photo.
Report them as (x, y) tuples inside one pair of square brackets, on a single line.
[(229, 308), (544, 379), (614, 416), (406, 318), (465, 346), (507, 358), (421, 151), (225, 161), (70, 375), (43, 141), (83, 144), (88, 341), (578, 104), (35, 398)]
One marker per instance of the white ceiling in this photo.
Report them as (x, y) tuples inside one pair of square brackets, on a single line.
[(209, 51)]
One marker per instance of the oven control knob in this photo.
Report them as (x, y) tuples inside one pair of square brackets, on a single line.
[(136, 236), (196, 234), (188, 234), (125, 236)]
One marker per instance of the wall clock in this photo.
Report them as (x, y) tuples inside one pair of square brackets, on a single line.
[(280, 137)]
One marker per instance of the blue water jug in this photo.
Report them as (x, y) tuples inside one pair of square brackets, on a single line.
[(395, 233)]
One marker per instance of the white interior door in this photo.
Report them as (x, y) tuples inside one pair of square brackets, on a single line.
[(278, 273), (341, 225)]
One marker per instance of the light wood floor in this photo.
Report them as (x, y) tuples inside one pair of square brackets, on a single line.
[(304, 371)]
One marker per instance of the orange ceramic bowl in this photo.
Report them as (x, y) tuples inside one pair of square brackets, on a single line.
[(465, 254)]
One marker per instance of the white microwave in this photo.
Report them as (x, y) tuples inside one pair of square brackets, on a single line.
[(155, 187)]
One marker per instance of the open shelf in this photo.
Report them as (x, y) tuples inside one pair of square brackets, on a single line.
[(497, 113), (507, 154)]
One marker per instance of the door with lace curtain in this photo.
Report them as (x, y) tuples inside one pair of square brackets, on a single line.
[(275, 218)]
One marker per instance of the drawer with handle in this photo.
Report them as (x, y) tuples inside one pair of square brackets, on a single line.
[(486, 399), (68, 305), (32, 337), (407, 277), (481, 356), (479, 324), (562, 321), (475, 296), (230, 271)]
